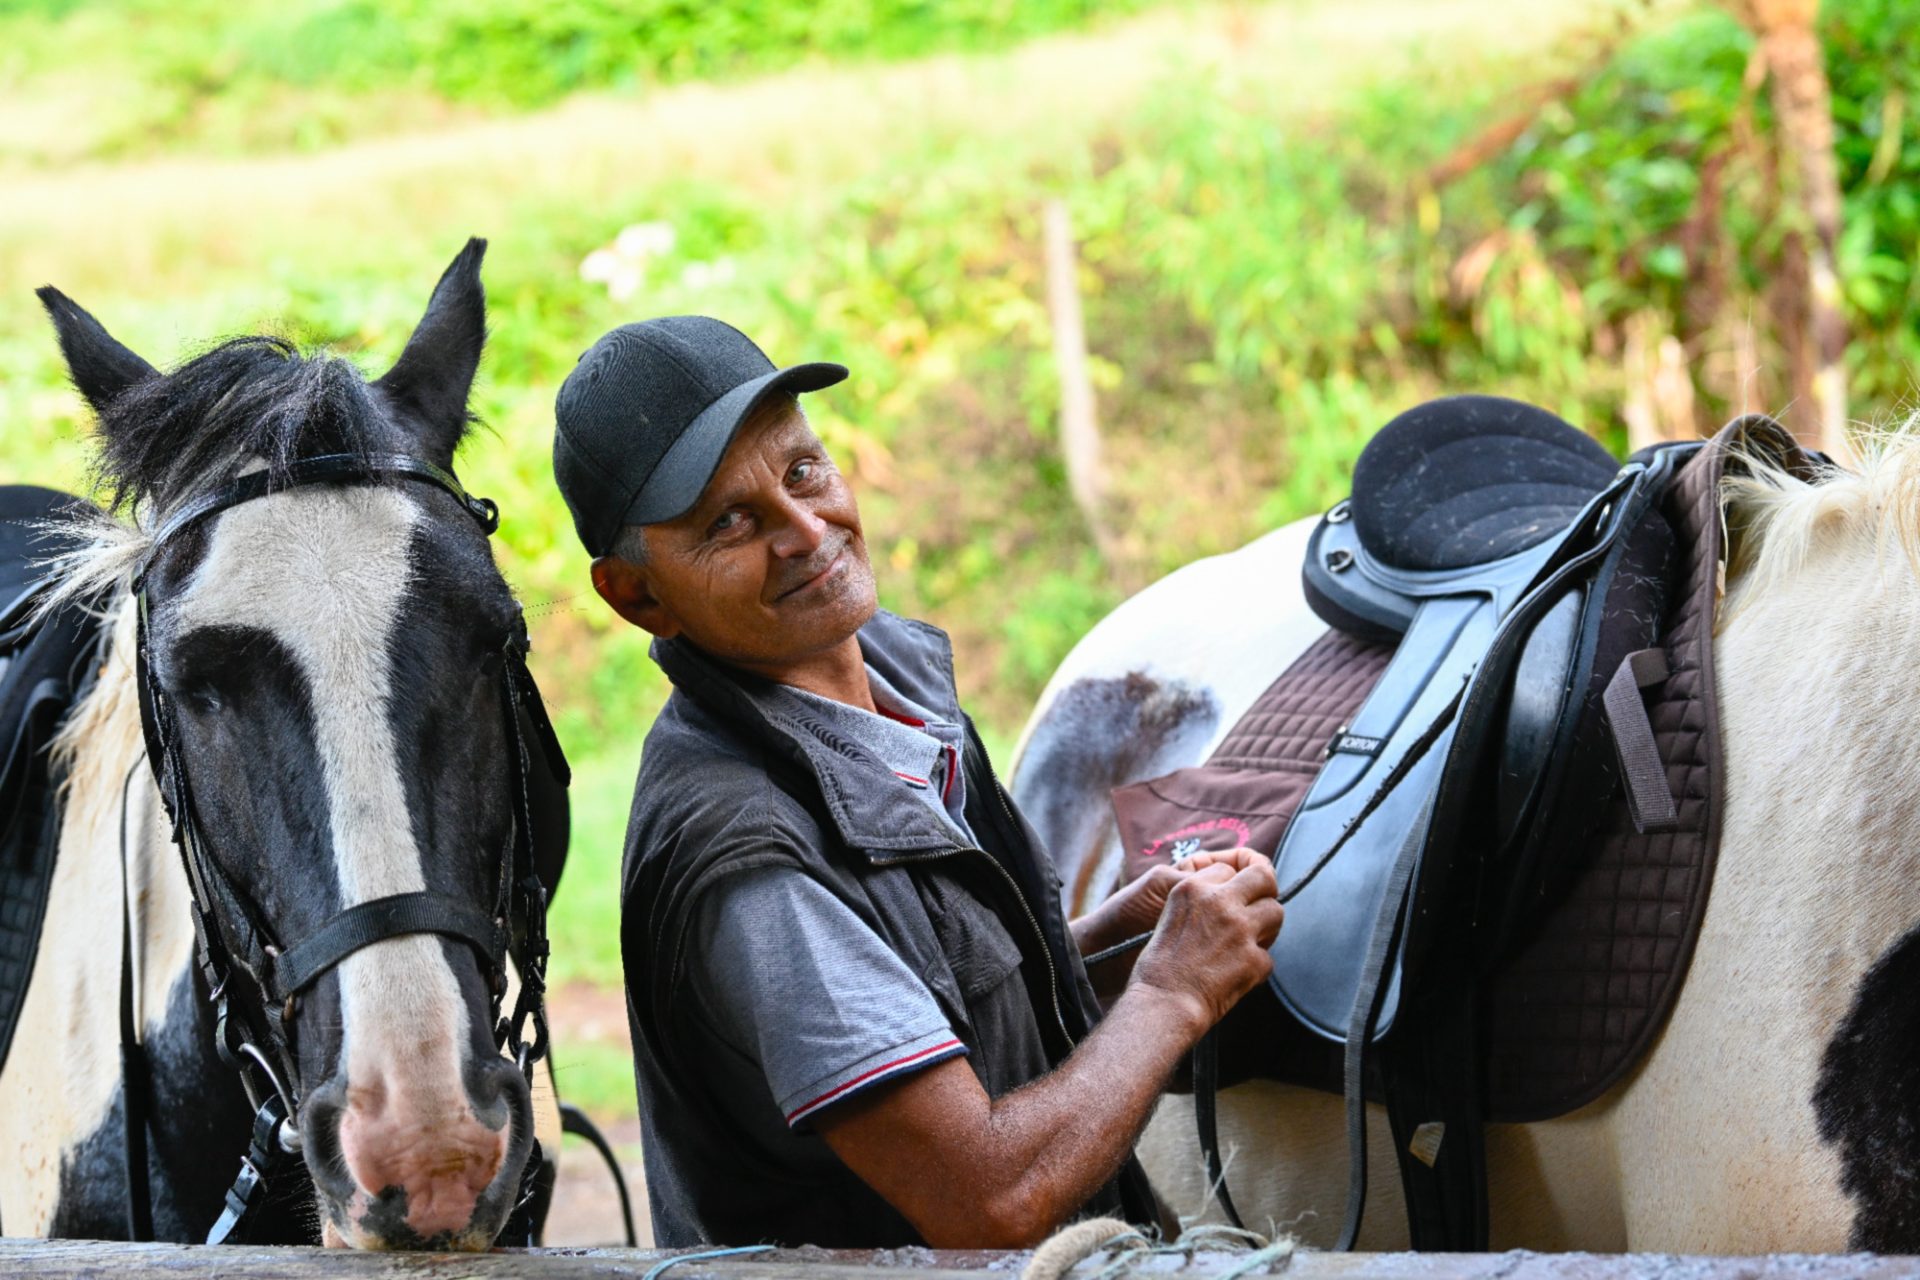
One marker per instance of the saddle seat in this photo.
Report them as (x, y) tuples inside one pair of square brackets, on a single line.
[(1468, 480), (46, 663)]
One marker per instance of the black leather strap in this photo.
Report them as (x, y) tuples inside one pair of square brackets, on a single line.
[(1206, 1116), (376, 921), (1366, 1010), (575, 1121), (331, 466), (262, 1162), (133, 1058)]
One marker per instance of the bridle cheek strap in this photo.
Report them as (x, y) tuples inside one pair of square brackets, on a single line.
[(397, 916)]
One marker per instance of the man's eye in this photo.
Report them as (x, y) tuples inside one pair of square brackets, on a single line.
[(727, 521), (801, 473)]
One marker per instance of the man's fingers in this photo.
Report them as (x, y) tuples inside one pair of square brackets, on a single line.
[(1255, 881), (1268, 917), (1214, 873), (1235, 858)]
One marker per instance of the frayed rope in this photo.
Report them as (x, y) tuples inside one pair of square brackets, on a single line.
[(1127, 1248)]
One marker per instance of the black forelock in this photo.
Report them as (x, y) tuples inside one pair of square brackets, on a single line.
[(252, 398)]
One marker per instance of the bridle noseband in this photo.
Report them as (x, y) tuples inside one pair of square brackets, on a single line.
[(255, 982)]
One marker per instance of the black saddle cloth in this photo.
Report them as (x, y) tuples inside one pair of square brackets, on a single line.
[(45, 664), (1465, 480)]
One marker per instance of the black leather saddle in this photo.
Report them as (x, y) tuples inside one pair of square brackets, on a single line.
[(46, 663), (1516, 566)]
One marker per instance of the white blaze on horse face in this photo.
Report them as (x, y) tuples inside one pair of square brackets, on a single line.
[(329, 589)]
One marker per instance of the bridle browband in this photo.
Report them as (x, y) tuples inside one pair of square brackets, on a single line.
[(254, 982)]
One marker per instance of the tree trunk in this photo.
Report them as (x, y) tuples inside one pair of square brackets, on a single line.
[(1790, 44)]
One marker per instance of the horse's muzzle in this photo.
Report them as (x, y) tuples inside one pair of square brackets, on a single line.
[(419, 1165)]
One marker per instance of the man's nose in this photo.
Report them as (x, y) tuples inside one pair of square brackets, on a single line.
[(800, 531)]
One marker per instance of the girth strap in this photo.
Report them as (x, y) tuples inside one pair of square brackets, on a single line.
[(376, 921)]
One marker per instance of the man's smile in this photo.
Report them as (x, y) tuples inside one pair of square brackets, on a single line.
[(835, 565)]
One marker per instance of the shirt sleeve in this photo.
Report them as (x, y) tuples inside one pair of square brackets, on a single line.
[(788, 975)]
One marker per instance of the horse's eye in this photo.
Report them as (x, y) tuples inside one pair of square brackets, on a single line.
[(202, 697)]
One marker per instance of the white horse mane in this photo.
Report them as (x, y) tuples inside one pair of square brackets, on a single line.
[(1777, 522), (102, 738)]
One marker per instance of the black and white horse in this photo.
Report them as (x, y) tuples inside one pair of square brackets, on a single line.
[(331, 653)]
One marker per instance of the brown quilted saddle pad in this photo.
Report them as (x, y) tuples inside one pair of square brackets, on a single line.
[(1570, 1004)]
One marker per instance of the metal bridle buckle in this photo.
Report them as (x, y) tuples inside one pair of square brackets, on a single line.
[(288, 1133)]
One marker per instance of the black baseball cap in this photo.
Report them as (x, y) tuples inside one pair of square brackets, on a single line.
[(643, 419)]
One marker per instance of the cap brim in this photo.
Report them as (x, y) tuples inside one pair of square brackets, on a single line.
[(682, 474)]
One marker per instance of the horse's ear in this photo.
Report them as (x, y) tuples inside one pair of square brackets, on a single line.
[(434, 374), (102, 367)]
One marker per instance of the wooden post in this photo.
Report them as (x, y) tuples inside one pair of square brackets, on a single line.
[(1079, 423)]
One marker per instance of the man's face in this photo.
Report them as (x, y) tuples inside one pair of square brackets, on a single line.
[(769, 568)]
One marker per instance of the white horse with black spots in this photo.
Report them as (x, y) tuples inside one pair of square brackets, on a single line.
[(1779, 1108)]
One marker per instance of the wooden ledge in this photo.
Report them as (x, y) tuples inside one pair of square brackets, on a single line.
[(75, 1259)]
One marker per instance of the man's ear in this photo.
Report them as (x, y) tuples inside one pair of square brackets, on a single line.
[(625, 586)]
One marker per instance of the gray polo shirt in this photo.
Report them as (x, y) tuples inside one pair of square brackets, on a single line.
[(810, 1004)]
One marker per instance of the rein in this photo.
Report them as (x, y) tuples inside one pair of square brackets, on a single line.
[(255, 980)]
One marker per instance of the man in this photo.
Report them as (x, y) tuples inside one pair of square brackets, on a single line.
[(859, 1017)]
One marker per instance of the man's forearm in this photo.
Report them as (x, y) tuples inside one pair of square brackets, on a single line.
[(975, 1173), (1058, 1140)]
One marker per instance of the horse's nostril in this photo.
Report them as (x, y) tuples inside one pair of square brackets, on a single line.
[(320, 1140)]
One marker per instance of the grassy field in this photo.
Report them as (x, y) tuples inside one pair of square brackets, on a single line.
[(1270, 267)]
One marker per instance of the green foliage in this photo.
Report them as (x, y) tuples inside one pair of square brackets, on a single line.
[(523, 52), (1876, 109)]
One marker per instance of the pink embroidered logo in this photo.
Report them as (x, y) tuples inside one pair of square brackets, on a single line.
[(1188, 841)]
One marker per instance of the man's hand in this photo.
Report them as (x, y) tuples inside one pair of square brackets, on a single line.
[(1133, 909), (1222, 913)]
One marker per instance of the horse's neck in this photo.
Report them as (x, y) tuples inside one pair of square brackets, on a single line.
[(115, 844), (59, 1085), (1818, 689)]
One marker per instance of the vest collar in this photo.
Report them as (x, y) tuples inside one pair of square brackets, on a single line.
[(873, 810)]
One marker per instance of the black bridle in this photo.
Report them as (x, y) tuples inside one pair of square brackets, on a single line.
[(256, 982)]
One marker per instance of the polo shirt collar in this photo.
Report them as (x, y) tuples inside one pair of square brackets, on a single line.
[(857, 785)]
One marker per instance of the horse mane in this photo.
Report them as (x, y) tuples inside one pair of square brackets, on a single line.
[(1777, 522), (102, 737), (248, 400)]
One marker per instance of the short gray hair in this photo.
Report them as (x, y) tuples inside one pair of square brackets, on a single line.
[(630, 544)]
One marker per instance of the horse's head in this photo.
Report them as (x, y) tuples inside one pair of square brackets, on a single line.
[(328, 666)]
